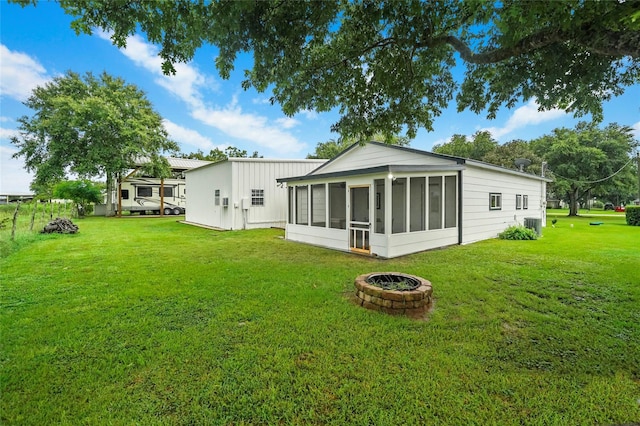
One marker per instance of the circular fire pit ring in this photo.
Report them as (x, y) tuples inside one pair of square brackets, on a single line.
[(395, 293)]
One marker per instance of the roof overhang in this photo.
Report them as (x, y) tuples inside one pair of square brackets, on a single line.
[(390, 168)]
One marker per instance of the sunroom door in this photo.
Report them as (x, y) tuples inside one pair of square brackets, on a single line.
[(359, 223)]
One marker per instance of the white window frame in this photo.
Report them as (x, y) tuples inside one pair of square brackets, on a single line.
[(495, 201), (525, 202), (257, 197), (518, 201)]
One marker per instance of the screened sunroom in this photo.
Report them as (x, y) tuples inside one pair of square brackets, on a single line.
[(389, 201)]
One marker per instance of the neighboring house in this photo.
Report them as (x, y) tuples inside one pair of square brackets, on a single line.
[(242, 193), (388, 201)]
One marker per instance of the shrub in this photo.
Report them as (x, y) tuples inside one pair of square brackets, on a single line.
[(632, 213), (518, 232)]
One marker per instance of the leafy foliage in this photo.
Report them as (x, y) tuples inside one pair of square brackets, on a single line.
[(218, 155), (90, 126), (586, 158), (477, 147), (632, 214), (333, 147), (518, 232), (388, 66), (81, 192)]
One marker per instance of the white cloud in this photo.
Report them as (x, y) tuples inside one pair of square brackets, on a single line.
[(19, 74), (309, 114), (636, 130), (525, 116), (188, 84), (233, 122), (190, 137), (5, 119), (8, 133), (287, 122), (14, 179)]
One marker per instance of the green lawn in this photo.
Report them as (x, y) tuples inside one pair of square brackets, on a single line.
[(149, 321)]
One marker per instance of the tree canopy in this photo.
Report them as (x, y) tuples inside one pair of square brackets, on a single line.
[(217, 154), (587, 158), (91, 127), (333, 147), (389, 66), (81, 192)]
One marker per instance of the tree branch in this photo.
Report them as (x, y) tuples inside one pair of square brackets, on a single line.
[(601, 42)]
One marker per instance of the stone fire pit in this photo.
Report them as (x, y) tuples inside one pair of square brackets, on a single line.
[(394, 293)]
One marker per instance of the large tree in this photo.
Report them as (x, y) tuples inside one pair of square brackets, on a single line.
[(217, 154), (333, 147), (586, 159), (476, 147), (91, 127), (389, 65)]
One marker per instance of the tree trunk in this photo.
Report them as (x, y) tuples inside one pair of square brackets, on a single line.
[(109, 207), (573, 202)]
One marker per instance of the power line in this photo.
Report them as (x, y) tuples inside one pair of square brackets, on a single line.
[(594, 181)]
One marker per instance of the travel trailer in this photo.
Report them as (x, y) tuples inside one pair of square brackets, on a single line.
[(143, 195)]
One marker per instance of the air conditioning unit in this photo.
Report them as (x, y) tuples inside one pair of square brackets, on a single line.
[(533, 223), (225, 202)]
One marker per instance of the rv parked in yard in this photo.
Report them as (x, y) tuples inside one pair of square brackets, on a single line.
[(142, 195)]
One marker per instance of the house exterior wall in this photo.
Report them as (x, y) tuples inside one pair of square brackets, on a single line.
[(480, 222), (236, 178), (474, 182), (201, 186), (369, 155)]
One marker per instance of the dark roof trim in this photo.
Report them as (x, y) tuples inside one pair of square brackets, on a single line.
[(375, 170)]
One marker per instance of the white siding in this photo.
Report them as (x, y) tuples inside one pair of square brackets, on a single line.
[(362, 157), (479, 222), (201, 186), (236, 178)]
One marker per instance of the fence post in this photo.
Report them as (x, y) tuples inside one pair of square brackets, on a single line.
[(33, 215), (15, 221)]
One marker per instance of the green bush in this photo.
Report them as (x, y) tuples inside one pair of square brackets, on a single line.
[(632, 214), (597, 204), (518, 232)]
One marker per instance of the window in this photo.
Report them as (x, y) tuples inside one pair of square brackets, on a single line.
[(525, 202), (495, 201), (168, 191), (257, 197), (338, 205), (318, 205), (435, 202), (124, 194), (417, 202), (216, 197), (379, 211), (302, 205), (143, 191), (450, 202), (398, 205)]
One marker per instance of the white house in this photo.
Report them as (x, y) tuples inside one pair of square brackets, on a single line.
[(241, 193), (388, 201)]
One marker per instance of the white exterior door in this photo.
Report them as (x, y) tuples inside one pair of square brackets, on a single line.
[(359, 222)]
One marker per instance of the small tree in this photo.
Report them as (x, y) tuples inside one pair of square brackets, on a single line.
[(81, 192)]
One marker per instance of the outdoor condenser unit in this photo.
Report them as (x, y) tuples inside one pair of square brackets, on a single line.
[(533, 223)]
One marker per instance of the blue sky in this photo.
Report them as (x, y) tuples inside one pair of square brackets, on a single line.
[(202, 111)]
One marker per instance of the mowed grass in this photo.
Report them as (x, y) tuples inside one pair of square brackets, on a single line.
[(150, 321)]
